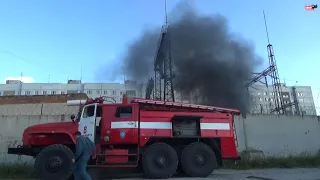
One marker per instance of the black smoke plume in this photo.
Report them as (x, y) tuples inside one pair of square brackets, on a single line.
[(209, 61)]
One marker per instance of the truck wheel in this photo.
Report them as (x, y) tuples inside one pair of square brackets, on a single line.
[(54, 162), (198, 160), (71, 177), (159, 161)]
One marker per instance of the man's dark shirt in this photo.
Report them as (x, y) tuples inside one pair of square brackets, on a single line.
[(84, 148)]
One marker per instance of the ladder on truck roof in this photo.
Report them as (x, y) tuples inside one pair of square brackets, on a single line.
[(187, 105)]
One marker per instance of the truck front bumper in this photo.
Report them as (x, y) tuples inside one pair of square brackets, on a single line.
[(21, 150)]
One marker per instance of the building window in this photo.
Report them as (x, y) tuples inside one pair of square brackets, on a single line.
[(44, 92), (105, 92), (62, 92), (114, 92), (266, 99), (300, 94), (89, 92), (260, 99), (36, 92), (259, 93), (98, 92), (53, 92), (121, 93), (0, 93), (285, 96), (301, 100), (27, 92), (265, 93), (120, 99)]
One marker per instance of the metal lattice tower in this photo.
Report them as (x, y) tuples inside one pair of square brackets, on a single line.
[(158, 67), (276, 85), (167, 69), (149, 88), (163, 88), (279, 104), (272, 71)]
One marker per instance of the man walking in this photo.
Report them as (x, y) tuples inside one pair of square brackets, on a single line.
[(84, 148)]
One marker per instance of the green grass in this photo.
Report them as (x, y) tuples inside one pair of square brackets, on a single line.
[(301, 161), (16, 171), (25, 171)]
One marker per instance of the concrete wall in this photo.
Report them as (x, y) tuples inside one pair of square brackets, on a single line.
[(11, 130), (274, 135), (14, 118), (279, 135), (38, 109)]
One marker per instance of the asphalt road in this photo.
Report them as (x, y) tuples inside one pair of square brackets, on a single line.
[(265, 174)]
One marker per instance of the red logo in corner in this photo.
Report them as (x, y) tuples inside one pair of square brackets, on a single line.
[(311, 7)]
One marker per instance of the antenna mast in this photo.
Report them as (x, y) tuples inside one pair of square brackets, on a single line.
[(278, 99), (81, 73), (165, 11), (265, 24), (125, 84)]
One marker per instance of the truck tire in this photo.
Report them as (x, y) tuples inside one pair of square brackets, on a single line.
[(198, 160), (54, 162), (71, 177), (159, 161)]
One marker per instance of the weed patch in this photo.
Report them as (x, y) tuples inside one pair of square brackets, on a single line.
[(16, 171), (302, 161)]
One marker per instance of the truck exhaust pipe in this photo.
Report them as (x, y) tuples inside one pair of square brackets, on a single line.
[(76, 102)]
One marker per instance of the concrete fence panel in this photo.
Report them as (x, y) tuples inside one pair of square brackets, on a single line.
[(280, 135)]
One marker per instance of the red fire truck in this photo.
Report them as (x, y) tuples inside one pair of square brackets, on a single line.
[(160, 136)]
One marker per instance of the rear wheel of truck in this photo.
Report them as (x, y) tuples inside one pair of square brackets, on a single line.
[(198, 160), (54, 162), (159, 161)]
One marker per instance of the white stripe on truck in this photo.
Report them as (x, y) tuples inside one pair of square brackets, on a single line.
[(165, 125)]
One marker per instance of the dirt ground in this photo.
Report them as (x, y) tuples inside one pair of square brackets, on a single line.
[(265, 174)]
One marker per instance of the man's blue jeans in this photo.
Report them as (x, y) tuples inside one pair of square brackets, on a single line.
[(80, 171)]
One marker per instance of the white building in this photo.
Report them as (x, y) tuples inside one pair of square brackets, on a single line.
[(114, 90), (262, 99)]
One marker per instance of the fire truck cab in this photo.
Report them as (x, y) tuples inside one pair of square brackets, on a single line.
[(163, 137)]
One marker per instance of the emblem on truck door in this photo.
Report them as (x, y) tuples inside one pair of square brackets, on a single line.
[(122, 134)]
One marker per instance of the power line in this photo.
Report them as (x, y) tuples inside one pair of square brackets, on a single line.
[(37, 65)]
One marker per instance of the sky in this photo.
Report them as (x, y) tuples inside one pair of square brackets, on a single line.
[(57, 40)]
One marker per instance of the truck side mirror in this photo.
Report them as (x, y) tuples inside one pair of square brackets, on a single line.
[(72, 117)]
